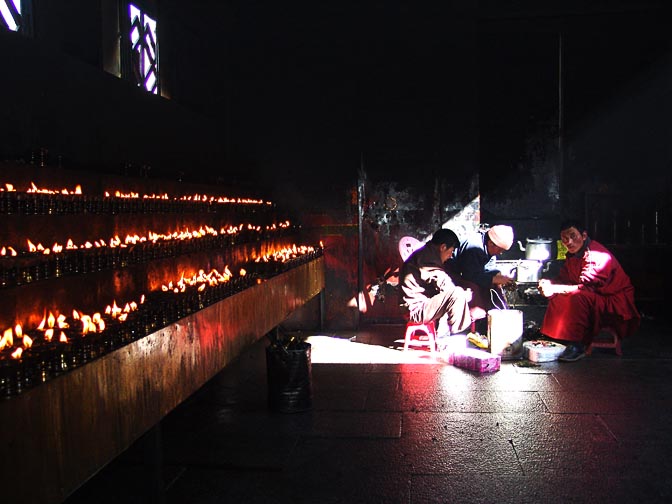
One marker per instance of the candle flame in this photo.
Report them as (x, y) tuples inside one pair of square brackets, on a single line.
[(7, 339), (113, 310), (34, 189), (8, 250), (98, 322), (151, 236), (88, 325)]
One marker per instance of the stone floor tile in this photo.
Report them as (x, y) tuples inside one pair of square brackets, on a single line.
[(407, 428)]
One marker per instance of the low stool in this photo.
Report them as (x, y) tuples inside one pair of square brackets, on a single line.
[(607, 338), (428, 328)]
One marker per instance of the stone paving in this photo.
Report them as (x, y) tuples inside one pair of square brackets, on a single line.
[(389, 426)]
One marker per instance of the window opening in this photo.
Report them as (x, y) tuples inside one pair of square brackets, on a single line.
[(144, 56), (11, 14)]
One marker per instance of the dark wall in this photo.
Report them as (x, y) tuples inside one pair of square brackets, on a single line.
[(571, 100), (322, 91), (574, 107), (57, 97), (433, 104)]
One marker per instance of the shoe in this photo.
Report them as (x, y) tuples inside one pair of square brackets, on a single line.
[(572, 353)]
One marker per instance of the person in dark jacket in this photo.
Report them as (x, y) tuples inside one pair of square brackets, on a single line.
[(474, 266), (428, 290)]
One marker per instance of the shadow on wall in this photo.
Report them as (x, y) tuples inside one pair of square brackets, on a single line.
[(385, 246)]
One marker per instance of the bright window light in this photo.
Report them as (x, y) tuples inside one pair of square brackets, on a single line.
[(144, 54), (11, 13)]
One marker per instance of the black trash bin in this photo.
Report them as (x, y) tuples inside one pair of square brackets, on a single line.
[(289, 378)]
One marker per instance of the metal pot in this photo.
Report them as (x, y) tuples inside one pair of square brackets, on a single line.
[(507, 268), (528, 271), (538, 249), (522, 270)]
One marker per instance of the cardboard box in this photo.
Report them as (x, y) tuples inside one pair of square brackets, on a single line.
[(542, 351), (477, 360)]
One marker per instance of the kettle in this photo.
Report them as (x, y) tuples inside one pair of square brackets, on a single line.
[(538, 249)]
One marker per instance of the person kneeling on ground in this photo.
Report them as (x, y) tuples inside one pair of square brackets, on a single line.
[(429, 292), (590, 293)]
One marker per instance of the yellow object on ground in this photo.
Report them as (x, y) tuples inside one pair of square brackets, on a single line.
[(478, 340)]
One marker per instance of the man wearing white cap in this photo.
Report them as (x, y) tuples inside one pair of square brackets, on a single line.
[(474, 266)]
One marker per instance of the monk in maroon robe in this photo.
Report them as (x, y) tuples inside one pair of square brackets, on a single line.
[(591, 292)]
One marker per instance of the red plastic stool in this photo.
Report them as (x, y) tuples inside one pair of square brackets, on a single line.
[(428, 329), (606, 339)]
